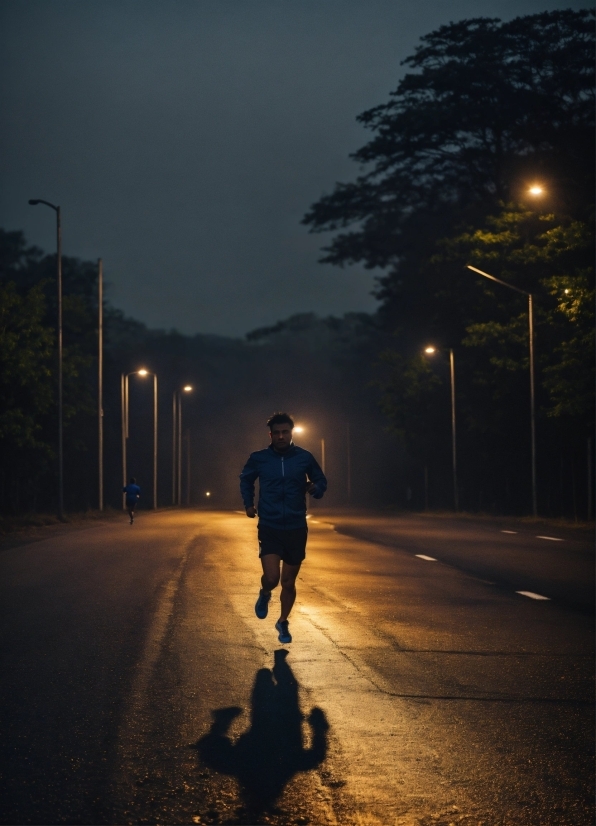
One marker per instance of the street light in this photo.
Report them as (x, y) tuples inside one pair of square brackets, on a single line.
[(100, 380), (177, 445), (431, 351), (124, 407), (299, 429), (34, 202), (536, 190), (532, 400)]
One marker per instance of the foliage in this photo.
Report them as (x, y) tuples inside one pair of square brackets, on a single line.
[(551, 258), (486, 109), (26, 349)]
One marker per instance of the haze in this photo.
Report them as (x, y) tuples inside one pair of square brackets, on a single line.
[(185, 140)]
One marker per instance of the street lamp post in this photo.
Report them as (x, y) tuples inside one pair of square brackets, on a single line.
[(188, 467), (430, 351), (532, 393), (177, 445), (124, 408), (100, 381), (34, 202), (300, 429), (349, 462)]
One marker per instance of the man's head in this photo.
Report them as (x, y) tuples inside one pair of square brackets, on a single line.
[(280, 431), (133, 481)]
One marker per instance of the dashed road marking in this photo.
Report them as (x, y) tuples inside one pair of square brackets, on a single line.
[(552, 538), (532, 595), (427, 558), (508, 531)]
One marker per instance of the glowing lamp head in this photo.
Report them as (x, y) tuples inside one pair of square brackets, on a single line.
[(143, 372), (298, 429), (208, 493), (430, 350), (187, 388), (536, 190), (567, 292)]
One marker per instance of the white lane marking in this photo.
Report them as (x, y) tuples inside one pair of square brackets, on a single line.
[(427, 558), (532, 595), (508, 531), (552, 538)]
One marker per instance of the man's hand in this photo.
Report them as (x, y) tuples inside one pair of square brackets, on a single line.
[(310, 487), (251, 512)]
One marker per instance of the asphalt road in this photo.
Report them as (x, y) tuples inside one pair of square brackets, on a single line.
[(421, 688)]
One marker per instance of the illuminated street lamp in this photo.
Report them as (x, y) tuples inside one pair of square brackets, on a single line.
[(430, 351), (536, 190), (124, 408), (299, 429), (177, 446), (531, 349), (34, 202)]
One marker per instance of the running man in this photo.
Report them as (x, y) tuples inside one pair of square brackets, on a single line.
[(286, 473), (133, 492)]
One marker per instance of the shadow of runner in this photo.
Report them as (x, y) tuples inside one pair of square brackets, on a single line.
[(266, 757)]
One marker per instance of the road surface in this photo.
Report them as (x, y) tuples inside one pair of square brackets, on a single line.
[(421, 686)]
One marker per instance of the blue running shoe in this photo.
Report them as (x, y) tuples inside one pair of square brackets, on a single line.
[(284, 631), (262, 605)]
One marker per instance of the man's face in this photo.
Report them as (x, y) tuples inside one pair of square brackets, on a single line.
[(281, 436)]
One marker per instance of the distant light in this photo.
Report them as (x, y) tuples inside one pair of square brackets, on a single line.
[(567, 292), (143, 372), (298, 429), (187, 388), (536, 190), (430, 350), (208, 493)]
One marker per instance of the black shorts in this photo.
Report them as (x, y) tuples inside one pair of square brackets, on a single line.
[(289, 545), (131, 504)]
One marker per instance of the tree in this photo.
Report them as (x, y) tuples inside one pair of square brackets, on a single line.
[(490, 106), (26, 396)]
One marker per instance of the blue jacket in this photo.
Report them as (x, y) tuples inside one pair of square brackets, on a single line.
[(283, 478), (132, 492)]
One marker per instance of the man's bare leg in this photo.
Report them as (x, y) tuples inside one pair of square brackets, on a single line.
[(270, 579), (288, 589)]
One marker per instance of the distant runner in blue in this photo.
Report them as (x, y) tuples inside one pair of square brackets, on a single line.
[(133, 492), (286, 473)]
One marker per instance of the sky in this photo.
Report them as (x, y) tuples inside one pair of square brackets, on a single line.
[(184, 141)]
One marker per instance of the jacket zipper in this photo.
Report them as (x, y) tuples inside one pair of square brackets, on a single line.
[(283, 475)]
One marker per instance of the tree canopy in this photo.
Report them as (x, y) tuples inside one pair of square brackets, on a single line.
[(486, 109)]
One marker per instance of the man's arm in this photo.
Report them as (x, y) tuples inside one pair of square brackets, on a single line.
[(248, 477), (317, 482)]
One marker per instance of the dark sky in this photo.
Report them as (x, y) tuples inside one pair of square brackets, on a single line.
[(184, 140)]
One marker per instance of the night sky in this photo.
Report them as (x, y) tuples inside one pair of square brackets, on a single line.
[(184, 141)]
